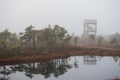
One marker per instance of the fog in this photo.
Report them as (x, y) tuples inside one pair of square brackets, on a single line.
[(16, 15)]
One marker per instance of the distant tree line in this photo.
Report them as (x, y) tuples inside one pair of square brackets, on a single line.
[(49, 38), (101, 40)]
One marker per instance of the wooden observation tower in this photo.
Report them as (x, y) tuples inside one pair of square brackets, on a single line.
[(90, 27)]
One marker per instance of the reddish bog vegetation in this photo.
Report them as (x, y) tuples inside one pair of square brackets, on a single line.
[(60, 54)]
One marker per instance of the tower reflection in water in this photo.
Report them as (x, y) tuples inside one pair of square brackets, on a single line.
[(90, 60)]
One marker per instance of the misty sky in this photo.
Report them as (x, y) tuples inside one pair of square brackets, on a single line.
[(16, 15)]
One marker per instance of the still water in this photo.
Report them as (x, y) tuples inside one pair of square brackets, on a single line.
[(72, 68)]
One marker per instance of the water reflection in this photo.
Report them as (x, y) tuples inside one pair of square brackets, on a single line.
[(90, 60), (76, 63), (56, 67), (4, 72), (53, 68), (117, 59)]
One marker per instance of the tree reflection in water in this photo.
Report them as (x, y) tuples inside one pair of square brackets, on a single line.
[(116, 59), (56, 67), (4, 73), (76, 63)]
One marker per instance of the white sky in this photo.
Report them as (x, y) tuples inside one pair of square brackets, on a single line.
[(16, 15)]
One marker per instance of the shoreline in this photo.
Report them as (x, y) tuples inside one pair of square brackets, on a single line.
[(66, 54)]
